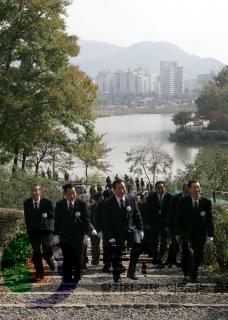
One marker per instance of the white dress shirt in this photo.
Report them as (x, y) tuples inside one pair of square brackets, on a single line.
[(38, 203), (68, 204), (119, 200)]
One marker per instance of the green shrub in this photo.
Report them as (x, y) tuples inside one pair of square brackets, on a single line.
[(221, 236), (16, 252), (14, 189), (198, 137), (11, 223)]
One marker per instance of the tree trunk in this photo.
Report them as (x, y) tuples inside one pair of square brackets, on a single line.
[(86, 182), (23, 161), (53, 165), (146, 172), (37, 168), (15, 160)]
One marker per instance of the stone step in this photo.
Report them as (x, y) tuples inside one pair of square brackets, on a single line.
[(113, 305)]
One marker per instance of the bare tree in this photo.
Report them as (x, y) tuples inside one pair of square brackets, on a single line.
[(149, 159)]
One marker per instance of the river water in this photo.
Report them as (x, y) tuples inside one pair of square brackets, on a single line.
[(126, 132)]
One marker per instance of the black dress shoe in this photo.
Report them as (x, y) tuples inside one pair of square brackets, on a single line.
[(84, 267), (157, 261), (51, 264), (116, 278), (132, 277), (39, 276), (123, 269), (177, 264), (106, 269), (185, 280)]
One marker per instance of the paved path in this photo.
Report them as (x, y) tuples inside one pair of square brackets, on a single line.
[(159, 293)]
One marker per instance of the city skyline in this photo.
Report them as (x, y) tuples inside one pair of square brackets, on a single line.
[(198, 27)]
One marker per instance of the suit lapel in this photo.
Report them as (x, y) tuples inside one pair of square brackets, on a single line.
[(116, 204), (66, 206), (41, 205)]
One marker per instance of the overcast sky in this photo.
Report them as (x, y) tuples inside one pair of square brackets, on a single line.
[(197, 26)]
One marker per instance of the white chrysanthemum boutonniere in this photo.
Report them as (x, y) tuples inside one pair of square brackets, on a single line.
[(77, 216), (44, 215), (128, 208), (203, 214)]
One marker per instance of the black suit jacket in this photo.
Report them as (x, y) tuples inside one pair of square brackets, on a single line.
[(196, 225), (157, 216), (71, 228), (34, 220), (117, 224), (96, 214), (173, 211)]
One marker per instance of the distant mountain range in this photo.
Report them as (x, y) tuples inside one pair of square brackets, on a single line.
[(96, 56)]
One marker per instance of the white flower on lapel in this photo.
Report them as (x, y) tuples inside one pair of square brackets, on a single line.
[(128, 208), (44, 215), (202, 213), (77, 214)]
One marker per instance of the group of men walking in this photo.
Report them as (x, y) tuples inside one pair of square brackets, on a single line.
[(123, 223)]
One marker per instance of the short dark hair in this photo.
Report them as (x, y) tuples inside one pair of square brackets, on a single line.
[(69, 186), (117, 181), (159, 182), (193, 181), (35, 186)]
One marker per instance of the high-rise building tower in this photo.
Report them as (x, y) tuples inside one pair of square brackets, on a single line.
[(171, 79)]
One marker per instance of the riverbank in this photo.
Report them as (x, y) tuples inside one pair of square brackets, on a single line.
[(189, 137), (109, 111)]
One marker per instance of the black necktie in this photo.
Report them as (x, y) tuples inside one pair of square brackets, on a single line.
[(36, 207), (195, 208), (121, 205), (71, 209), (160, 200)]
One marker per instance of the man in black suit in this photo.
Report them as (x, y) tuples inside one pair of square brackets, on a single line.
[(72, 226), (156, 220), (39, 219), (100, 230), (95, 239), (193, 226), (108, 191), (174, 246), (122, 222)]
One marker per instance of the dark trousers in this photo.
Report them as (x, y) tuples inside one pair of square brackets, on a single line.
[(192, 256), (158, 243), (72, 262), (85, 258), (173, 250), (95, 249), (107, 254), (41, 246), (117, 251)]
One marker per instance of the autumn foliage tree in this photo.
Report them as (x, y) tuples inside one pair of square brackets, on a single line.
[(39, 90)]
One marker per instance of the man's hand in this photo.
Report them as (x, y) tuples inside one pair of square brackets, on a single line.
[(56, 240), (141, 234), (100, 235), (210, 240), (94, 232), (112, 241), (86, 239), (167, 230), (178, 238)]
